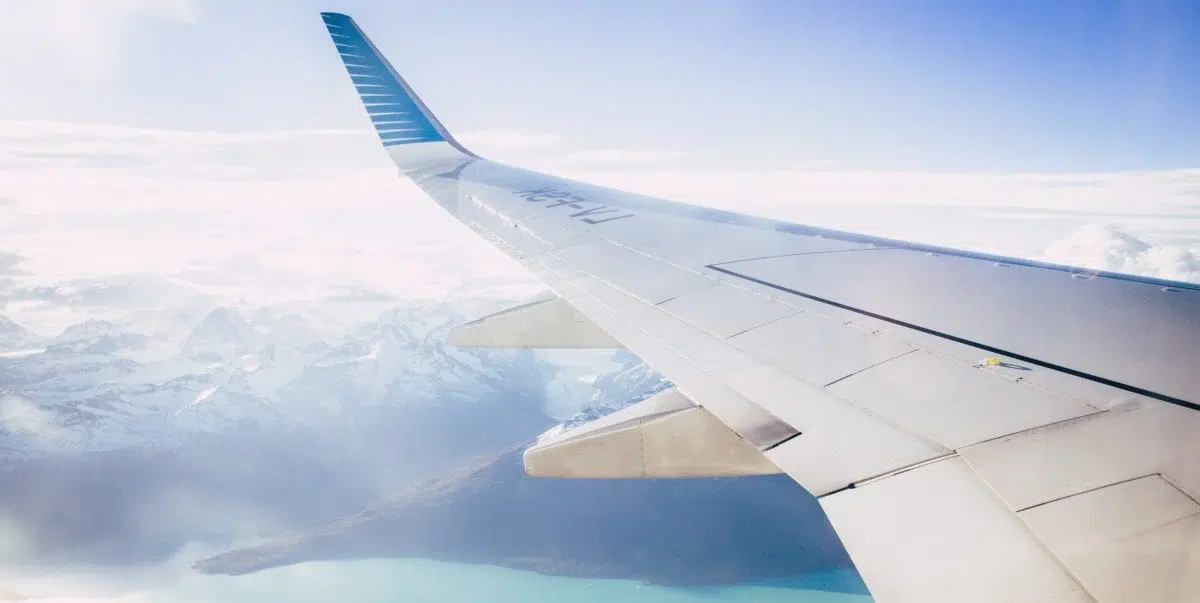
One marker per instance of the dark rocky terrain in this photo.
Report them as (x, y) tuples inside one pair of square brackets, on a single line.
[(675, 532)]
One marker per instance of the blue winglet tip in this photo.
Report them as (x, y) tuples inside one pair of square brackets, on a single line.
[(394, 109)]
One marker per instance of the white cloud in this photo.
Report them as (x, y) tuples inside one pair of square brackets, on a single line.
[(507, 140), (549, 151), (277, 217), (1155, 192), (1017, 214), (814, 165), (175, 10), (21, 417), (255, 218), (131, 598), (617, 158), (1105, 247), (56, 132), (87, 37), (48, 145)]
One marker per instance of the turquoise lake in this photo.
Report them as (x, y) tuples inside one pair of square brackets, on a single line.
[(407, 581)]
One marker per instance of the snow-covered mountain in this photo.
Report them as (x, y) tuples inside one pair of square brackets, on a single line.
[(223, 335), (630, 382), (15, 339), (226, 422), (103, 385)]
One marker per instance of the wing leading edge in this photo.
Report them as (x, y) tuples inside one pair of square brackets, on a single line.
[(976, 427)]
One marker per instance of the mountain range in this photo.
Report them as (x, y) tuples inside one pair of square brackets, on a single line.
[(686, 532), (123, 441)]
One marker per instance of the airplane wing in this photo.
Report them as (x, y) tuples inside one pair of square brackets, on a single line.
[(977, 428)]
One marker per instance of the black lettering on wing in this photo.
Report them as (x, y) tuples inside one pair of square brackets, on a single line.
[(534, 191), (546, 197), (538, 195), (600, 209), (571, 200), (609, 219)]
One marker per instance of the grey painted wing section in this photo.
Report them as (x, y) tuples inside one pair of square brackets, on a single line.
[(1140, 335), (1144, 337)]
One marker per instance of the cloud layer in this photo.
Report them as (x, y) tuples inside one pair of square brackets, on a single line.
[(257, 218), (273, 217), (111, 222), (1106, 247), (84, 39)]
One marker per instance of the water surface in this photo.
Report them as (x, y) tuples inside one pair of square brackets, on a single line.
[(413, 581)]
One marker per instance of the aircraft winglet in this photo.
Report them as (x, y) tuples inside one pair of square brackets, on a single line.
[(406, 127)]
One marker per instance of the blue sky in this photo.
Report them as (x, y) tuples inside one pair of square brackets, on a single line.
[(923, 85)]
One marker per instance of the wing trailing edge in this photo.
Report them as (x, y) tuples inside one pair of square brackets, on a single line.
[(547, 322), (667, 435)]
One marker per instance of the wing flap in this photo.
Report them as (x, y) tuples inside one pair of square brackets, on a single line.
[(937, 533), (1108, 499), (1126, 441), (547, 322), (750, 396), (1138, 540), (665, 436)]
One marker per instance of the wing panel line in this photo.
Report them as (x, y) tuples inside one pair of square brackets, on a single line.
[(1042, 363)]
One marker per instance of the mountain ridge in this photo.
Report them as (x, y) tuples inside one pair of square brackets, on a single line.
[(693, 532), (123, 441)]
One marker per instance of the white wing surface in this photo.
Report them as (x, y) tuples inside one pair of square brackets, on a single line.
[(977, 428)]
